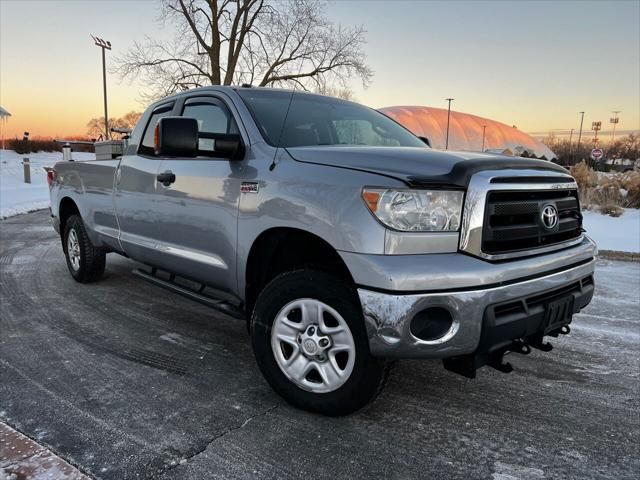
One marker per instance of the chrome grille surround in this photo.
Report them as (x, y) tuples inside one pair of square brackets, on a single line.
[(473, 216)]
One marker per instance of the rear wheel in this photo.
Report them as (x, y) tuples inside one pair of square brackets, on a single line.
[(310, 342), (85, 261)]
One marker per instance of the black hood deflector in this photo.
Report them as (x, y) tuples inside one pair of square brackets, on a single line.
[(417, 167)]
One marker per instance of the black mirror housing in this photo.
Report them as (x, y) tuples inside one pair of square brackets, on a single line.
[(179, 137), (224, 145), (176, 137)]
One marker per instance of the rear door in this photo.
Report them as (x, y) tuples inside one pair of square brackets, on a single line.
[(137, 196), (200, 209)]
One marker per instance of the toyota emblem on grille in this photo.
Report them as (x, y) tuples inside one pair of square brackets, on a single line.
[(549, 217)]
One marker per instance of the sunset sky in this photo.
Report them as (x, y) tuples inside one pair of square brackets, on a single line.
[(529, 64)]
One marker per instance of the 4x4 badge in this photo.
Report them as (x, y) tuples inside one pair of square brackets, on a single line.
[(249, 187)]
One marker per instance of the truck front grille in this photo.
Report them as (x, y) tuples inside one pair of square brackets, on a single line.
[(513, 220)]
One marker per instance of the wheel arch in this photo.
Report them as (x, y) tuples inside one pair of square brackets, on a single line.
[(66, 208), (281, 249)]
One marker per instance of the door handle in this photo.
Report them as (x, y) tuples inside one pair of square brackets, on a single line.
[(166, 178)]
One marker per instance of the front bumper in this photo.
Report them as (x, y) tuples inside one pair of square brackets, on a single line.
[(388, 315)]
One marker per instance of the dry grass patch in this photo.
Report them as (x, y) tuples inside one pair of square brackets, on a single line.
[(607, 193)]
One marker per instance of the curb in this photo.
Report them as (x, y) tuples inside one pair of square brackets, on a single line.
[(617, 255), (22, 457)]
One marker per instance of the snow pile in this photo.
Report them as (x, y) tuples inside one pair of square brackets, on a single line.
[(18, 197), (614, 233)]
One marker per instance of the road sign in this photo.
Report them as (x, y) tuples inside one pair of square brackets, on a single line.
[(597, 153)]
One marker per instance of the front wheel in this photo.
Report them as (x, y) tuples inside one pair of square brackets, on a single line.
[(310, 342)]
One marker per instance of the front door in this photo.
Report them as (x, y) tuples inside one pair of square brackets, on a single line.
[(137, 195), (200, 208)]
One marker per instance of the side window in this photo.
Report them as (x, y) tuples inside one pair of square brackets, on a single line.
[(147, 146), (213, 117)]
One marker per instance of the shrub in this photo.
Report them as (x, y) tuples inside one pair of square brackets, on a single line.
[(611, 210), (608, 193), (43, 144), (585, 176)]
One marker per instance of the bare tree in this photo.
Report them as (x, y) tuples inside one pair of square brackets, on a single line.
[(332, 91), (261, 42), (95, 126)]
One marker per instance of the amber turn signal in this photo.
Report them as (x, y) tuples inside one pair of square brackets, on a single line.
[(371, 199)]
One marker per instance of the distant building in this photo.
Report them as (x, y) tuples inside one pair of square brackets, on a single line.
[(4, 116), (465, 132)]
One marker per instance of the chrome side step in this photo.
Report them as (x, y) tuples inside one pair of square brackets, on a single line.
[(192, 294)]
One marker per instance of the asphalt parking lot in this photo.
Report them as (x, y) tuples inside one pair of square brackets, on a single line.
[(124, 380)]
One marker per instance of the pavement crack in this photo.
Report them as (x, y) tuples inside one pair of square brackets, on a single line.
[(225, 432)]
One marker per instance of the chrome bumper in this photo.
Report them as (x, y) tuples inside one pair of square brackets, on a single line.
[(388, 316)]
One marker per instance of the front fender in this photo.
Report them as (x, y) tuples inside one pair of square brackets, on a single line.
[(322, 200)]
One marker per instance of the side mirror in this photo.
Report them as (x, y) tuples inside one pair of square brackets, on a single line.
[(176, 137), (426, 141), (179, 137), (223, 145)]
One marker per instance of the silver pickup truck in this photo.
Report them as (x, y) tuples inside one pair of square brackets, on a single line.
[(342, 239)]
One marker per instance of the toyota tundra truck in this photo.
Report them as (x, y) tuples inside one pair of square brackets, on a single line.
[(342, 239)]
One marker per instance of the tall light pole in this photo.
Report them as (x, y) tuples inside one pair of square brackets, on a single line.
[(580, 133), (596, 127), (104, 45), (446, 145), (615, 120), (484, 131)]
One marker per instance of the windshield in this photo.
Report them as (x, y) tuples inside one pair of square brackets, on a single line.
[(320, 120)]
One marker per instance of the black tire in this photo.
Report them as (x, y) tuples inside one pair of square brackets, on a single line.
[(369, 374), (91, 260)]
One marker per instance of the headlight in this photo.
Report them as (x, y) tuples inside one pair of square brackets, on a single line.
[(416, 210)]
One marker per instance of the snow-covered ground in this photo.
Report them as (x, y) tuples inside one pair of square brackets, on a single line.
[(18, 197), (620, 233)]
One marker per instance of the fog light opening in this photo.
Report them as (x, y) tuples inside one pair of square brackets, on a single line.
[(431, 323)]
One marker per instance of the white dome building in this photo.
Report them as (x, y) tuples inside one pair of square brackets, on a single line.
[(465, 131)]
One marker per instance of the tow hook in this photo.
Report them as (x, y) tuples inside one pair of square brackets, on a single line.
[(518, 346), (496, 360), (539, 344), (466, 365)]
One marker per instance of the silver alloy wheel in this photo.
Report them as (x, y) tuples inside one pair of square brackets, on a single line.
[(73, 249), (313, 345)]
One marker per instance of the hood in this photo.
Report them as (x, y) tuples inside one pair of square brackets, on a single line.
[(416, 166)]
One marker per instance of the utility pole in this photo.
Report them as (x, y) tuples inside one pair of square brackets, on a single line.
[(580, 133), (615, 120), (570, 138), (446, 145), (484, 131), (104, 45)]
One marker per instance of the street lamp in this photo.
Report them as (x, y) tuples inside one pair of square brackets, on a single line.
[(615, 120), (446, 145), (596, 127), (484, 131), (104, 45)]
